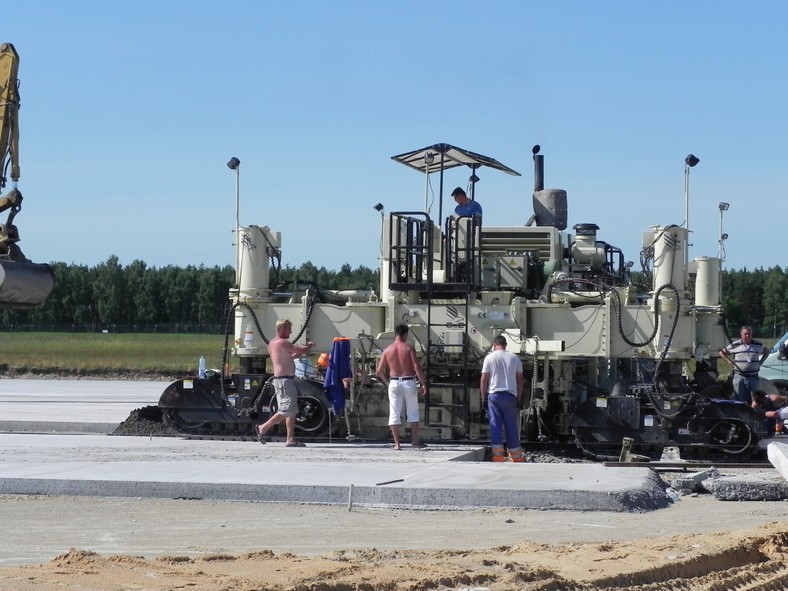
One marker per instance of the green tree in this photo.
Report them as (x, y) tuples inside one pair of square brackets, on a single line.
[(80, 305), (142, 296), (109, 287), (212, 295), (143, 293), (775, 300)]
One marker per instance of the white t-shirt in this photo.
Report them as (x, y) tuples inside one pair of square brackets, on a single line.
[(503, 367)]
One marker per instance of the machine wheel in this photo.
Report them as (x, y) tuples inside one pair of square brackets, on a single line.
[(312, 417), (732, 437), (313, 408)]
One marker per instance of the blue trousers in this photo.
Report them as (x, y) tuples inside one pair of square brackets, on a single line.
[(743, 388), (503, 418)]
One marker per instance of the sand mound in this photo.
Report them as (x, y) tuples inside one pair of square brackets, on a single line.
[(754, 559)]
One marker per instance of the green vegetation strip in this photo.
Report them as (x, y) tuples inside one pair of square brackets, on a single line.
[(158, 353)]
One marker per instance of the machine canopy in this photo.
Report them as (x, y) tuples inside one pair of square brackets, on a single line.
[(445, 156)]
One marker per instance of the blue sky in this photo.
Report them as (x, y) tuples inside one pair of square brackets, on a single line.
[(131, 110)]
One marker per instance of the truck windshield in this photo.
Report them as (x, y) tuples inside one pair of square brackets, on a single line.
[(782, 339)]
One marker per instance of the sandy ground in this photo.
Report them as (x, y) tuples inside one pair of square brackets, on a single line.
[(106, 544)]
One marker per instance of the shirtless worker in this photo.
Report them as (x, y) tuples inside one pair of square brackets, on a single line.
[(283, 354), (398, 368)]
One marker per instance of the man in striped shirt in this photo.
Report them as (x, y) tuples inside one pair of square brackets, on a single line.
[(745, 357)]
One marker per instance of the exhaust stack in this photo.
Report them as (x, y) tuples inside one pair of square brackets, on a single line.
[(538, 172), (549, 204)]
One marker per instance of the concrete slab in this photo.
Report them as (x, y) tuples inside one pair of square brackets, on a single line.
[(761, 486), (329, 473), (360, 473), (777, 452)]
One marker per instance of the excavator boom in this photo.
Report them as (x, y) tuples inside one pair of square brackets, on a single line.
[(9, 109), (23, 284)]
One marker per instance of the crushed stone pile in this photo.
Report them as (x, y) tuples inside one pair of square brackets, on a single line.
[(144, 422)]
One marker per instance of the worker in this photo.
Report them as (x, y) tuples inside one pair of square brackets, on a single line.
[(399, 369), (501, 388), (283, 354), (465, 207), (745, 357), (774, 408)]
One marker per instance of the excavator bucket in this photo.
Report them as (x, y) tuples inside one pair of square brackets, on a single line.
[(23, 284)]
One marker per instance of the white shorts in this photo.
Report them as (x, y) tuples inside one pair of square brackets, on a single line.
[(403, 393), (783, 413)]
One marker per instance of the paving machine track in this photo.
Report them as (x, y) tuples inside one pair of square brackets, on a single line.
[(700, 428), (221, 407)]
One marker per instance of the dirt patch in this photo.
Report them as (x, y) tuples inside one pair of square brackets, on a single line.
[(756, 559)]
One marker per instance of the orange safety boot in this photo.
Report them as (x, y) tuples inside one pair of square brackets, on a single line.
[(497, 454)]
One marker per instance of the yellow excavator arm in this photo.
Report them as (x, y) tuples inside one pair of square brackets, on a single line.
[(9, 113), (23, 284)]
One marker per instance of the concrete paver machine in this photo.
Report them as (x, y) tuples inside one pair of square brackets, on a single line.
[(607, 358)]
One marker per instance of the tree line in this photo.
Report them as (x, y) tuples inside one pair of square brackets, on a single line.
[(136, 297), (110, 296), (758, 298)]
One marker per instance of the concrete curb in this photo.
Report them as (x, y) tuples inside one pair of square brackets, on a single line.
[(446, 485)]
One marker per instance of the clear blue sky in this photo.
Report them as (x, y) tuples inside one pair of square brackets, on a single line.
[(131, 110)]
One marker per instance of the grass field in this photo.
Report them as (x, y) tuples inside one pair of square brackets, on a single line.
[(155, 353), (151, 353)]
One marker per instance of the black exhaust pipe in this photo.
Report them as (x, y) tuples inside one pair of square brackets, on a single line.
[(538, 169)]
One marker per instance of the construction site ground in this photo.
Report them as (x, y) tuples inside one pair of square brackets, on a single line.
[(82, 509)]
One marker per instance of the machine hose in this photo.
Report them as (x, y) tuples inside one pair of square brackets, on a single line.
[(617, 298), (573, 280), (650, 339), (227, 331), (657, 384), (672, 327), (310, 309), (653, 335)]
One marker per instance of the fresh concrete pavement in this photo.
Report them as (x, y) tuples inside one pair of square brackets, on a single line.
[(53, 441)]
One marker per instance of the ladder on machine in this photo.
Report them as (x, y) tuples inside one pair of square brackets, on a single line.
[(412, 268)]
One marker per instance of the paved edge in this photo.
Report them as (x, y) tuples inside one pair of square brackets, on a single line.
[(650, 496)]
